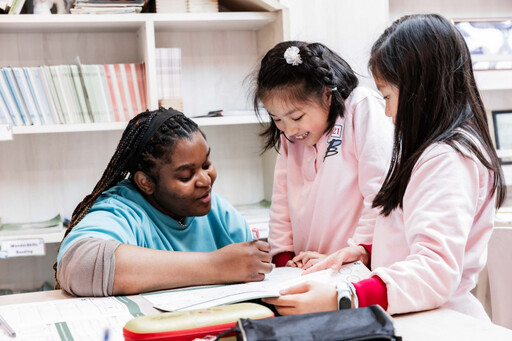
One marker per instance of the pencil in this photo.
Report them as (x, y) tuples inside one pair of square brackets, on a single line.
[(5, 326)]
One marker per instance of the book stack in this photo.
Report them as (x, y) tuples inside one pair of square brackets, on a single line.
[(107, 6), (12, 6), (67, 94), (195, 6), (168, 70), (174, 6), (181, 6)]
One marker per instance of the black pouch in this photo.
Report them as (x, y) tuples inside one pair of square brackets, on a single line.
[(367, 323)]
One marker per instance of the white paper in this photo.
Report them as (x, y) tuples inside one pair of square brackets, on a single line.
[(5, 132), (80, 319), (279, 278), (22, 248)]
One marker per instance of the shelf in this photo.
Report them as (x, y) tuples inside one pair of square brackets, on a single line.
[(112, 126), (51, 235), (84, 23), (493, 79)]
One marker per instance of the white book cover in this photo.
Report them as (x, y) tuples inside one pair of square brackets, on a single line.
[(136, 87), (106, 94), (89, 75), (279, 278), (40, 97), (78, 116), (51, 92), (79, 90), (58, 80)]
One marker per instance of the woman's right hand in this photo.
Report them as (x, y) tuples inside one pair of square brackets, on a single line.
[(242, 262), (334, 261)]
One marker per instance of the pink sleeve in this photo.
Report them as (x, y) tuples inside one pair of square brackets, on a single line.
[(373, 140), (440, 205), (280, 232), (371, 291)]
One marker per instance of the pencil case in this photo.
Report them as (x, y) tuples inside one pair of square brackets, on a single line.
[(192, 324)]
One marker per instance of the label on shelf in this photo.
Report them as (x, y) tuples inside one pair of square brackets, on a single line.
[(5, 132), (22, 248)]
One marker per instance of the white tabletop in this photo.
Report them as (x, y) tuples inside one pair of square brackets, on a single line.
[(439, 324)]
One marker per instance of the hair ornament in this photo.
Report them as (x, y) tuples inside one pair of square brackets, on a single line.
[(334, 88), (292, 56)]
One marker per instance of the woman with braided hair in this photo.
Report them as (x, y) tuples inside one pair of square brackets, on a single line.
[(334, 145), (153, 222)]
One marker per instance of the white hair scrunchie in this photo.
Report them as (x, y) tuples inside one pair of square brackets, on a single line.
[(292, 56)]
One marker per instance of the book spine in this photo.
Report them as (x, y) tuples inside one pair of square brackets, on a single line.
[(26, 96), (13, 88), (125, 91), (103, 93), (77, 86), (118, 89), (51, 92), (135, 75), (9, 101), (31, 86), (107, 93), (110, 82)]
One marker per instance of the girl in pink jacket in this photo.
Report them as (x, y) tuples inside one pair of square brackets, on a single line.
[(438, 201), (334, 145)]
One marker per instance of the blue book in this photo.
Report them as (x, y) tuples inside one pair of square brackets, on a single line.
[(16, 95), (9, 100)]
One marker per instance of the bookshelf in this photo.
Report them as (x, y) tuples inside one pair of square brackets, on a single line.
[(48, 169)]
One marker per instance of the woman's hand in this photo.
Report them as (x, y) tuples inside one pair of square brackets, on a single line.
[(306, 259), (242, 262), (334, 261), (308, 297)]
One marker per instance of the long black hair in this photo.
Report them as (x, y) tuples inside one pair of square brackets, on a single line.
[(427, 59), (140, 149), (321, 68)]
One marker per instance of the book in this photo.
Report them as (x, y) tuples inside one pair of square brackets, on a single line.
[(80, 92), (16, 95), (279, 278), (115, 100), (21, 82), (51, 92), (11, 110), (38, 95)]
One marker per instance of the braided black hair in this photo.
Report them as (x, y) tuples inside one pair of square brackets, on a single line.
[(321, 68), (130, 156)]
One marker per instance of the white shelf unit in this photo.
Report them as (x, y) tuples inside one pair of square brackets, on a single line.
[(47, 170)]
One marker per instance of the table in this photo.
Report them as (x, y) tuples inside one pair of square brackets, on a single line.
[(439, 324)]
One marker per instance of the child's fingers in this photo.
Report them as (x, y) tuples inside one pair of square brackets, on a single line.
[(296, 289)]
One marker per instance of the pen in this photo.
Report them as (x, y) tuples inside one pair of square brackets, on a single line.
[(5, 326)]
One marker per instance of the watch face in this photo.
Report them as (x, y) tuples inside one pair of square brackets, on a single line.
[(345, 303)]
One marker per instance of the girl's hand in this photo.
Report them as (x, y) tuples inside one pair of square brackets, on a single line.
[(308, 297), (334, 261), (307, 259)]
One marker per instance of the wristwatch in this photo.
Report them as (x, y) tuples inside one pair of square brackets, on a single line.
[(347, 296)]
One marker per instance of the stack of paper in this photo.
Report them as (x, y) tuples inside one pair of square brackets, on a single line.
[(107, 6), (279, 278), (203, 6)]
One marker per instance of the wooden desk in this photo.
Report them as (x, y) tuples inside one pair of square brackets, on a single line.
[(438, 324)]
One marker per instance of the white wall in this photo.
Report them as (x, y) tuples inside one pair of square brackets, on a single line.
[(348, 27)]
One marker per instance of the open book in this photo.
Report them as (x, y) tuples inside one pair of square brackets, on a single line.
[(279, 278)]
